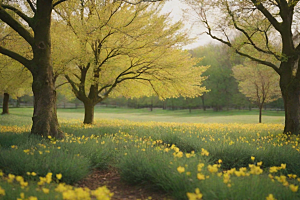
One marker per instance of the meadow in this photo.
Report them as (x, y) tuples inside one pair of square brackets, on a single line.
[(228, 156)]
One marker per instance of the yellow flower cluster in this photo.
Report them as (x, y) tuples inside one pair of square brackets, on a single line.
[(22, 197), (195, 196), (68, 192), (15, 129)]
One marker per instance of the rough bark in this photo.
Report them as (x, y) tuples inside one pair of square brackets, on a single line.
[(291, 98), (44, 118), (5, 109), (88, 112)]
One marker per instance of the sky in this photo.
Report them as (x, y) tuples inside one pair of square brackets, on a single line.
[(175, 7)]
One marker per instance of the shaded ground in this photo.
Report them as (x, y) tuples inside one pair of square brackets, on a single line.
[(121, 190)]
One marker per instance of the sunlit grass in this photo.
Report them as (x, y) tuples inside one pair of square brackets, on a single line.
[(186, 160), (22, 116)]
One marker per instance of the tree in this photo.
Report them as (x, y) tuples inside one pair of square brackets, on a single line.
[(31, 19), (15, 81), (135, 57), (258, 83), (221, 84), (273, 23)]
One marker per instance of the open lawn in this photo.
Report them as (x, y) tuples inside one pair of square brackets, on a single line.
[(207, 161), (159, 115)]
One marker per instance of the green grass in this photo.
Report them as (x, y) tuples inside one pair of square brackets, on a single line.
[(23, 115), (154, 153)]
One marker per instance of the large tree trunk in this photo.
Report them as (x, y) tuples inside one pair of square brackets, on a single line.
[(44, 118), (291, 98), (88, 112), (5, 104)]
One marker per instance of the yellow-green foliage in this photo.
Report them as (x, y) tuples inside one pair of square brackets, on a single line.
[(126, 50)]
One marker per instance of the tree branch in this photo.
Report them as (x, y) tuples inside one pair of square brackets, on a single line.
[(17, 57), (61, 85), (73, 85), (267, 14), (138, 2), (58, 2), (18, 12), (249, 37), (9, 20), (31, 6), (269, 64)]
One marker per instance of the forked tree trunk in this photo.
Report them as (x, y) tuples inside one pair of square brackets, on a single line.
[(44, 118), (291, 99), (88, 112), (5, 104)]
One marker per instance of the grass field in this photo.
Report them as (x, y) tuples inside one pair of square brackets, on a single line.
[(159, 115), (216, 159)]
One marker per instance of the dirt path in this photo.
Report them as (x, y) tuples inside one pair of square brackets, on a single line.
[(121, 190)]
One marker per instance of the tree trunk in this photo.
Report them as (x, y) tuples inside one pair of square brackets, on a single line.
[(164, 104), (44, 118), (151, 106), (18, 102), (203, 105), (5, 104), (88, 112), (291, 100), (260, 112)]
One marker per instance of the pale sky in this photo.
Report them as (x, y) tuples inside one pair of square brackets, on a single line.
[(175, 7)]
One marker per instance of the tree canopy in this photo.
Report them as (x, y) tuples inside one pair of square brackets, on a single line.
[(136, 57)]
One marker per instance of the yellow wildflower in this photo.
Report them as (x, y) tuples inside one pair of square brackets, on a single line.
[(273, 169), (270, 197), (11, 178), (204, 152), (194, 196), (58, 176), (2, 191), (212, 169), (200, 176), (180, 169), (200, 166), (294, 188), (49, 177), (45, 190)]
